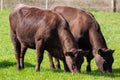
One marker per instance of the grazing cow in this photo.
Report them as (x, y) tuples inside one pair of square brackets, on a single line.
[(88, 35), (41, 29)]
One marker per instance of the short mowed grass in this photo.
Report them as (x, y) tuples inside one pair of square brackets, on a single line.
[(110, 26)]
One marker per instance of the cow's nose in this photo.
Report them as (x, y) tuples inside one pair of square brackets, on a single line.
[(108, 72), (75, 71)]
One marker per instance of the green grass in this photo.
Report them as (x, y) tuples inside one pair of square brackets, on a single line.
[(110, 26)]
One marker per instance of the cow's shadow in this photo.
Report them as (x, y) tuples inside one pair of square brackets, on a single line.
[(44, 69), (115, 73), (7, 64)]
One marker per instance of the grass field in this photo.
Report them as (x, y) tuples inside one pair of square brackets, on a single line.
[(110, 26)]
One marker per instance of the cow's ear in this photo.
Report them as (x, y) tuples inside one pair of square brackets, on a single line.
[(87, 52), (84, 52), (110, 51), (69, 54)]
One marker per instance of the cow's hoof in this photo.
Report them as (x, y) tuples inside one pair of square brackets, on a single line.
[(37, 70), (52, 67), (18, 68)]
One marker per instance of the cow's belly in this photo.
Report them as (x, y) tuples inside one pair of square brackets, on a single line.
[(27, 41), (26, 36)]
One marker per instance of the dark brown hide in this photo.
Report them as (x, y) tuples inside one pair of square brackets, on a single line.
[(41, 29), (88, 35)]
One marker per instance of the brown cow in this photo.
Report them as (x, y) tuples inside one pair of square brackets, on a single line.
[(88, 35), (41, 29)]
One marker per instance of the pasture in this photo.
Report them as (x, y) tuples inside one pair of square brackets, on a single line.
[(110, 26)]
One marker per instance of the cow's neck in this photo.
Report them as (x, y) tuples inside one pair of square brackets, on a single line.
[(67, 41), (98, 42), (96, 38)]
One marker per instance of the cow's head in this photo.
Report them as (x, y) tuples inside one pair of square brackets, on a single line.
[(104, 60), (75, 59)]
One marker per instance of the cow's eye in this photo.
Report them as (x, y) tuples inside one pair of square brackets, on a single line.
[(73, 66)]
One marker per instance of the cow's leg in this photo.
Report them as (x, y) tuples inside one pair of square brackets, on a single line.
[(88, 68), (57, 63), (22, 54), (17, 54), (66, 69), (40, 51), (51, 61), (17, 48), (89, 58)]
